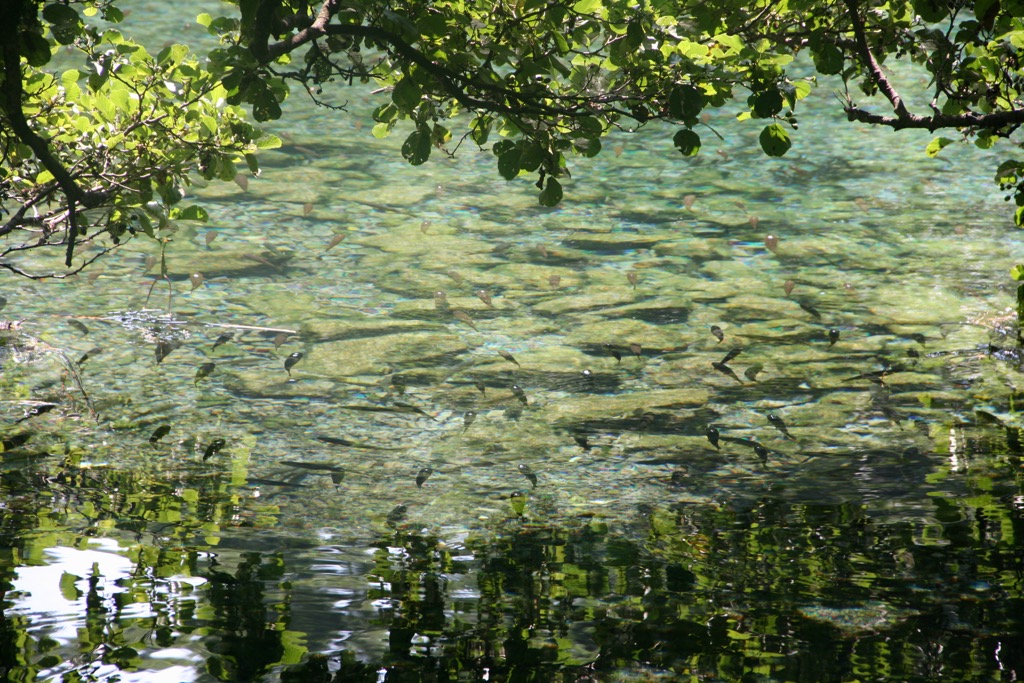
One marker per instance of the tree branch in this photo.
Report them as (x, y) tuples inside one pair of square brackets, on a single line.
[(994, 121), (872, 65)]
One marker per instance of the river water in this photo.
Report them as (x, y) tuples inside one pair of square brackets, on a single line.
[(521, 485)]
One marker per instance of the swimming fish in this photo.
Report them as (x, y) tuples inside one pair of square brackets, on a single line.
[(223, 339), (202, 371), (89, 354), (636, 349), (726, 370), (717, 331), (555, 281), (518, 392), (729, 356), (279, 339), (78, 325), (771, 242), (399, 384), (529, 474), (291, 360), (712, 433), (422, 476), (196, 279), (314, 466), (462, 316), (614, 352), (581, 441), (37, 409), (777, 422), (508, 356), (762, 453), (751, 372), (833, 337), (440, 301), (335, 441), (467, 419), (159, 433), (335, 241), (788, 286), (164, 348), (481, 387), (810, 309), (213, 448), (632, 277), (484, 296)]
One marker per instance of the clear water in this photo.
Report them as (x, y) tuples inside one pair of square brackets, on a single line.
[(880, 542)]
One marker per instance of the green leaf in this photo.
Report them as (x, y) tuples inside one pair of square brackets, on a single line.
[(931, 11), (587, 6), (687, 142), (936, 145), (204, 19), (480, 129), (253, 163), (35, 48), (172, 54), (774, 140), (268, 141), (406, 95), (60, 14), (828, 59), (1018, 217), (685, 102), (416, 148), (1017, 272), (190, 213), (381, 130), (508, 164), (766, 103), (552, 193)]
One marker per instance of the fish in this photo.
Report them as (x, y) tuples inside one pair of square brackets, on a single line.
[(159, 433), (196, 279), (581, 441), (632, 277), (307, 208), (749, 443), (508, 356), (257, 481), (877, 375), (732, 354), (481, 387), (335, 241), (399, 384), (397, 515), (677, 478), (754, 221), (717, 331), (518, 392), (777, 422), (810, 309), (456, 278), (78, 325), (542, 249), (833, 337), (337, 478), (518, 502), (462, 316), (614, 352), (688, 200), (335, 441), (279, 339), (788, 286), (467, 419), (588, 376), (395, 408), (37, 409), (291, 360), (771, 243), (209, 237), (441, 301), (555, 281), (636, 349), (312, 466), (529, 474), (484, 296), (761, 452), (223, 339), (726, 370), (202, 371), (164, 348), (422, 476), (89, 354), (712, 433), (213, 449), (751, 372)]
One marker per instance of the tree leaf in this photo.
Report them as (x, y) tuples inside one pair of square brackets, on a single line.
[(552, 193), (687, 142), (936, 145), (774, 140), (766, 103), (1017, 272), (190, 213), (406, 95), (416, 148), (828, 59)]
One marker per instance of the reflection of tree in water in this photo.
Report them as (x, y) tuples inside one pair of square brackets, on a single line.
[(247, 634)]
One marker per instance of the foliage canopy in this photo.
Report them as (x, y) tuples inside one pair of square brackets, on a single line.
[(105, 149)]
